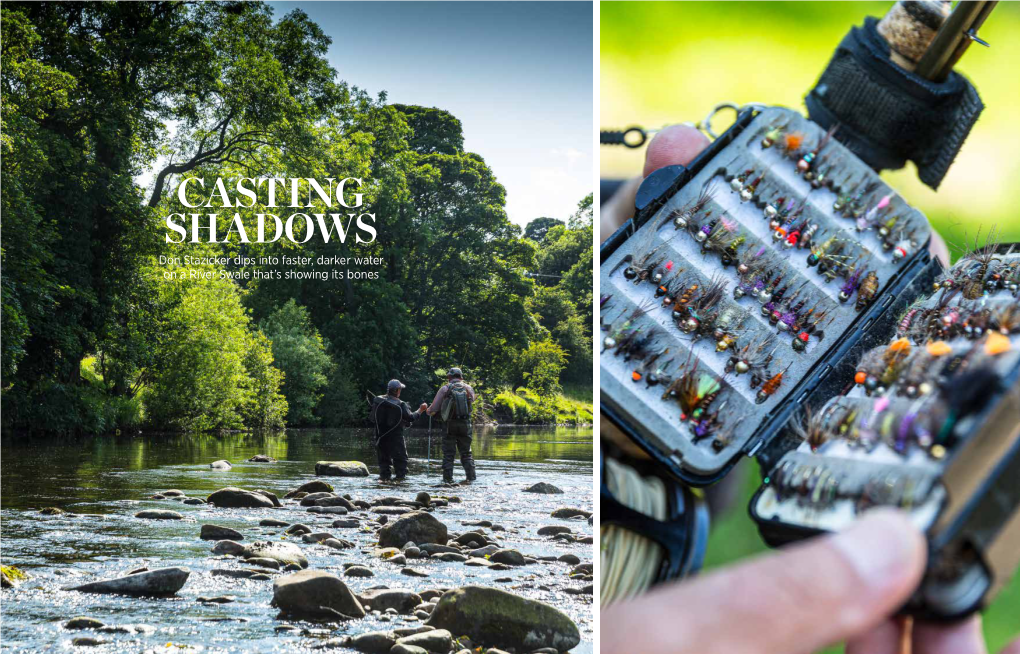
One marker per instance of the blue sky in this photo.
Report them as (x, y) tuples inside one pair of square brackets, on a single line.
[(517, 74)]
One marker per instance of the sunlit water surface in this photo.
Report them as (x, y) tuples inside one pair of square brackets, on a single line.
[(106, 480)]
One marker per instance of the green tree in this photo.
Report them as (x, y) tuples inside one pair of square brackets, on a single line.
[(266, 407), (211, 372), (539, 367), (537, 228), (300, 353)]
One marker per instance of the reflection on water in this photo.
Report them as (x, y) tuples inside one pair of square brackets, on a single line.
[(106, 480)]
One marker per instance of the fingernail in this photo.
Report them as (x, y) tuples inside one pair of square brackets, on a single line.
[(883, 547)]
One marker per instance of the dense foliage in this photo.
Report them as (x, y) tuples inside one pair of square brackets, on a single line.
[(95, 337)]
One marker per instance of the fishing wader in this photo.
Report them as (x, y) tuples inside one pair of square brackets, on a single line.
[(392, 448), (458, 437)]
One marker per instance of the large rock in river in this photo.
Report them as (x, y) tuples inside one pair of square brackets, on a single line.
[(236, 498), (544, 489), (498, 618), (341, 469), (401, 601), (417, 527), (283, 552), (313, 593), (222, 464), (153, 583)]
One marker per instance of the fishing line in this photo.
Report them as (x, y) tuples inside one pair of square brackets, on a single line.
[(630, 562)]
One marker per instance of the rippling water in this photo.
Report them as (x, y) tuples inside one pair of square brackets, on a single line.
[(106, 480)]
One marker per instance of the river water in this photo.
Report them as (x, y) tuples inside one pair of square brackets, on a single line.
[(104, 481)]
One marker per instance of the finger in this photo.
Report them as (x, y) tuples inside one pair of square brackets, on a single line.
[(886, 638), (939, 249), (676, 144), (958, 638), (1012, 648), (800, 599)]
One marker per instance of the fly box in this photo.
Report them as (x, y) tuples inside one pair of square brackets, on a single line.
[(737, 307)]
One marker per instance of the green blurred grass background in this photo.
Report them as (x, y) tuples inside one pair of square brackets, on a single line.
[(664, 63)]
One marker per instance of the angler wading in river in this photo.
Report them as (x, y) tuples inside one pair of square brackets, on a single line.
[(390, 415), (453, 402)]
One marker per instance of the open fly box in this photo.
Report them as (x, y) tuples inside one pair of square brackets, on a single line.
[(775, 298)]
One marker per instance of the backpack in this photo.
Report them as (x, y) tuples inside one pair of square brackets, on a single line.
[(457, 404)]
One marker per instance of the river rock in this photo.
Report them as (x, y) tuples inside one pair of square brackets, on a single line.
[(272, 522), (221, 465), (349, 523), (567, 512), (11, 576), (83, 622), (335, 500), (476, 523), (435, 548), (298, 530), (488, 550), (476, 562), (283, 553), (87, 641), (553, 530), (272, 497), (544, 489), (452, 557), (411, 572), (236, 498), (508, 556), (374, 642), (435, 640), (52, 510), (263, 562), (569, 559), (401, 648), (194, 501), (391, 510), (341, 469), (583, 569), (418, 526), (157, 514), (220, 599), (358, 571), (338, 543), (496, 617), (309, 592), (329, 510), (241, 574), (173, 492), (154, 583), (216, 532), (401, 601), (316, 537), (314, 486), (262, 458), (311, 498)]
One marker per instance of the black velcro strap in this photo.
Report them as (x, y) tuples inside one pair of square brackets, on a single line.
[(888, 115)]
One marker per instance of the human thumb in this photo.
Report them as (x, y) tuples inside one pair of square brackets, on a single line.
[(798, 600)]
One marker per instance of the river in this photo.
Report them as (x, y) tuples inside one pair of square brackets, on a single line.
[(102, 482)]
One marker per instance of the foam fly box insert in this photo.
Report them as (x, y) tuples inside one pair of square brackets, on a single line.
[(724, 299)]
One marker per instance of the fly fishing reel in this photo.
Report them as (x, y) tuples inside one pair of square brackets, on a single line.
[(740, 300)]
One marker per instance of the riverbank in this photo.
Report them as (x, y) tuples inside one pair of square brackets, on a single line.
[(107, 484)]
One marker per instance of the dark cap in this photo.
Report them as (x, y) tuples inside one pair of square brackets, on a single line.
[(394, 385), (455, 372)]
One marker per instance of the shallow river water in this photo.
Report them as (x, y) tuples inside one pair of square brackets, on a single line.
[(105, 481)]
